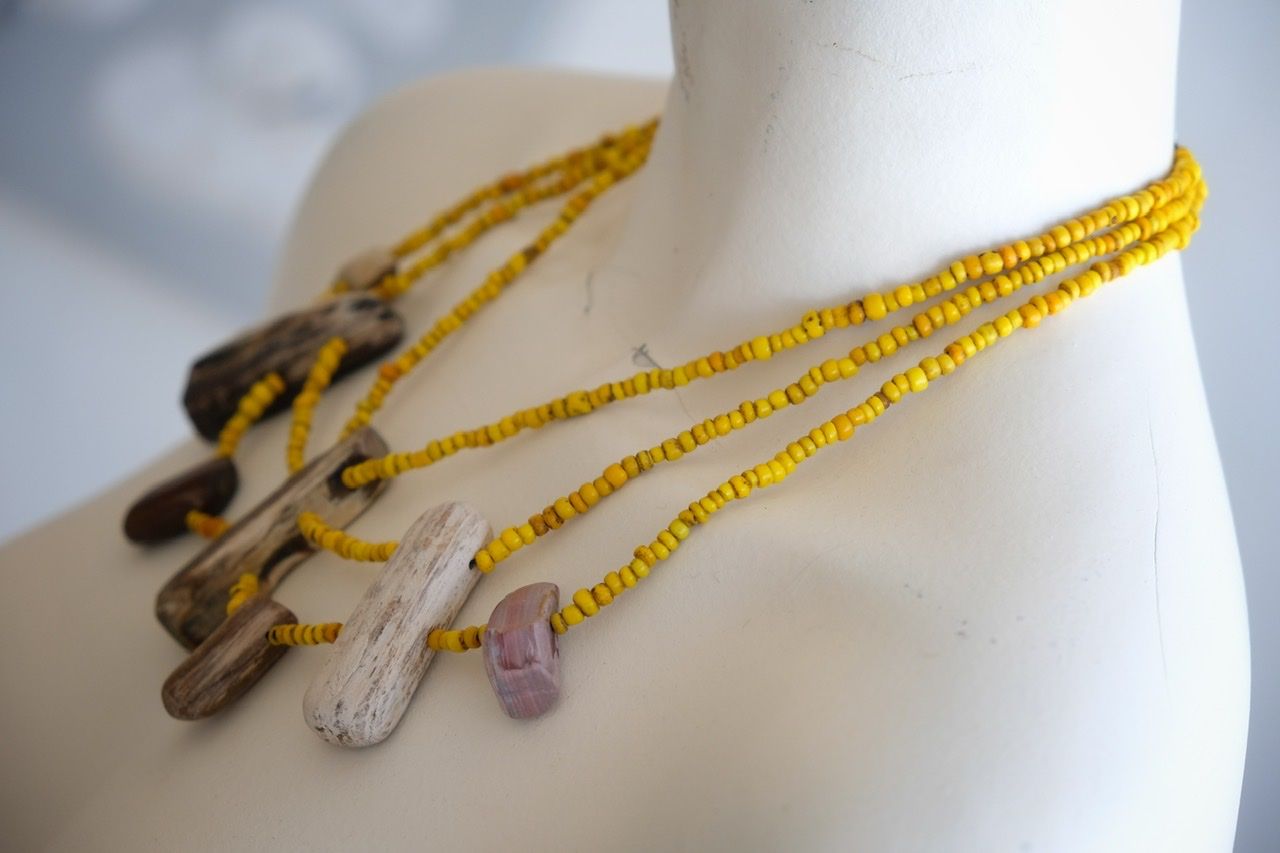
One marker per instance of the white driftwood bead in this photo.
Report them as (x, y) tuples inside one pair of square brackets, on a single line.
[(364, 687), (521, 654), (368, 268)]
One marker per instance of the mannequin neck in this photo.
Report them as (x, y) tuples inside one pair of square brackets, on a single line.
[(812, 152)]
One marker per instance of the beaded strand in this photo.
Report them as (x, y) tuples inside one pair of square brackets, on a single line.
[(206, 526), (621, 164), (249, 411), (517, 190), (318, 379), (1136, 217), (513, 192), (814, 324), (588, 602), (1146, 232), (948, 312)]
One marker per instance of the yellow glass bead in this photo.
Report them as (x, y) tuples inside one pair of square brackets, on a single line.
[(875, 307), (615, 475), (564, 509), (916, 379), (760, 348), (586, 602)]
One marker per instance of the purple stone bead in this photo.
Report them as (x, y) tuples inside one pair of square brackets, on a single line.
[(521, 654)]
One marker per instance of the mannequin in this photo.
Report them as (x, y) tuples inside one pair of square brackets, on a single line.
[(1009, 617)]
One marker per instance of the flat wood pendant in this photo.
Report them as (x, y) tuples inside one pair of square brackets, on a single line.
[(230, 661), (267, 542), (521, 654), (161, 513), (364, 687), (287, 346)]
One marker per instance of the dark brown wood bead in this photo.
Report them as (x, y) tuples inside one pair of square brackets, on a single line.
[(230, 661), (161, 513), (287, 346), (267, 541)]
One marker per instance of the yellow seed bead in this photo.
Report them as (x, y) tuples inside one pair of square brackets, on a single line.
[(572, 615), (615, 475), (564, 509), (875, 307), (585, 602), (917, 379), (760, 348)]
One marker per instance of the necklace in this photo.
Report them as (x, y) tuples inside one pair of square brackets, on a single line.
[(259, 372), (446, 550)]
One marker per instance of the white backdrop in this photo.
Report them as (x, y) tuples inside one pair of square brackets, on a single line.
[(151, 153)]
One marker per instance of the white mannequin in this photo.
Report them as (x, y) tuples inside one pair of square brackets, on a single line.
[(1007, 617)]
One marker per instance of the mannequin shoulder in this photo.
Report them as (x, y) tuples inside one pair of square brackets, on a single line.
[(418, 149)]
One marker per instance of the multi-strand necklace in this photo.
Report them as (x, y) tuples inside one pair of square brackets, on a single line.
[(221, 602)]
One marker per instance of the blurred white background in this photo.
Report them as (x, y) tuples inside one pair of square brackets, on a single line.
[(151, 153)]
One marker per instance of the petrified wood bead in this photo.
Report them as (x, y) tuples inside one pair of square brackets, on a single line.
[(521, 654), (367, 269), (228, 662), (267, 541), (362, 690), (287, 346), (161, 513)]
